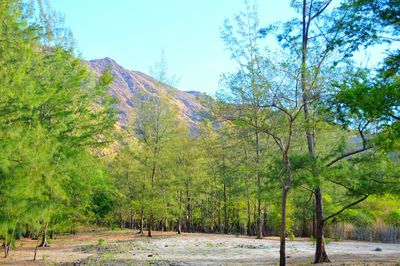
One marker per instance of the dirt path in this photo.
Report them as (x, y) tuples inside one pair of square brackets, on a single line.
[(123, 247)]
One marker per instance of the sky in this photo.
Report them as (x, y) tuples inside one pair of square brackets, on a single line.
[(133, 32)]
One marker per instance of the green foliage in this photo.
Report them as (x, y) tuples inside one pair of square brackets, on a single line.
[(56, 120), (53, 116)]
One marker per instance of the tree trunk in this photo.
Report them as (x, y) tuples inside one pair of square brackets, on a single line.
[(44, 236), (259, 219), (179, 226), (314, 223), (320, 253), (219, 215), (248, 197), (52, 234), (248, 217), (225, 211), (260, 224), (150, 222), (285, 190), (212, 210), (141, 219), (180, 213), (6, 244), (282, 250), (254, 225), (37, 245), (131, 219), (264, 228), (188, 209)]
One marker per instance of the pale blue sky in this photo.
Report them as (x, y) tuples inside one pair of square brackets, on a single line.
[(133, 33)]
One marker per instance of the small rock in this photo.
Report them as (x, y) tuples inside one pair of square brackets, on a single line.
[(166, 246), (378, 249), (150, 255), (288, 256)]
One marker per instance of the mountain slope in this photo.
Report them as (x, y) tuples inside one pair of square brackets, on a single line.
[(133, 87)]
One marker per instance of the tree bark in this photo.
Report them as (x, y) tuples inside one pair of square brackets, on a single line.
[(180, 213), (248, 217), (188, 209), (219, 215), (264, 228), (282, 250), (141, 219), (285, 190), (179, 226), (259, 219), (131, 219), (52, 234), (37, 245), (6, 244), (151, 220), (248, 198), (320, 253), (44, 236), (225, 211), (149, 234)]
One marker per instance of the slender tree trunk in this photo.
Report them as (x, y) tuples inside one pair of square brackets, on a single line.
[(6, 244), (44, 236), (282, 250), (151, 221), (285, 190), (141, 219), (212, 210), (259, 219), (37, 245), (320, 253), (6, 250), (180, 213), (248, 217), (248, 197), (254, 225), (131, 219), (264, 229), (224, 195), (219, 215), (314, 222), (188, 208), (179, 226), (260, 225), (165, 224), (225, 211)]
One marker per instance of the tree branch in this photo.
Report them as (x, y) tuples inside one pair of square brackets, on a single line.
[(394, 116), (321, 10), (346, 207), (364, 148), (347, 155)]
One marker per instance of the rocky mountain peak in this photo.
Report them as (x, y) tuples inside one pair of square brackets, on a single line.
[(134, 87)]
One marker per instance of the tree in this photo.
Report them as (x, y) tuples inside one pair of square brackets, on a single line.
[(264, 97), (51, 114)]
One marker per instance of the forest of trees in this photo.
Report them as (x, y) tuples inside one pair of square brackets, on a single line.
[(296, 140)]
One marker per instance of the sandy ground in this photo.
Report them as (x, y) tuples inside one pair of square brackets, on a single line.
[(123, 247)]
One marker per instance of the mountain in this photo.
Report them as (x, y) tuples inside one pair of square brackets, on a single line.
[(133, 87)]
